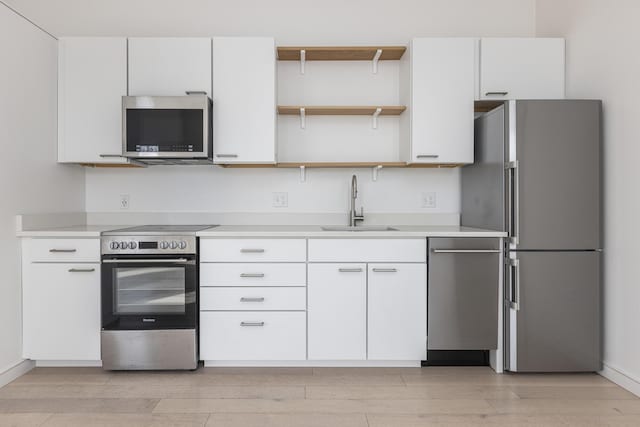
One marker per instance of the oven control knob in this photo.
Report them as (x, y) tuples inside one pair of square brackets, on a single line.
[(123, 245), (164, 244), (174, 245), (133, 245), (114, 245), (183, 244)]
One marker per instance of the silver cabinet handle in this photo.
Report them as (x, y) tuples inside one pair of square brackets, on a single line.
[(513, 196), (62, 250), (110, 155), (498, 93), (514, 282), (427, 156), (385, 270), (153, 261), (259, 275), (251, 323), (227, 156), (465, 251), (81, 270), (350, 270), (252, 251), (195, 92), (250, 299)]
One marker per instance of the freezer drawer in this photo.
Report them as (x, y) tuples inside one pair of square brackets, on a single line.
[(553, 319), (464, 276)]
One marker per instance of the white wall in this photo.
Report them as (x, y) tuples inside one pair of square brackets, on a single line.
[(603, 62), (291, 22), (30, 179)]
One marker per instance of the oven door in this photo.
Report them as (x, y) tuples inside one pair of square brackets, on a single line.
[(166, 127), (158, 292)]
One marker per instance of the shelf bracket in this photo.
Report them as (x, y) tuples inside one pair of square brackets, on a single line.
[(303, 58), (376, 58), (303, 173), (374, 172), (303, 118), (375, 117)]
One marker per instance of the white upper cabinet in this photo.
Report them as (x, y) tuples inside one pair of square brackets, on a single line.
[(92, 78), (169, 66), (522, 68), (438, 83), (244, 100)]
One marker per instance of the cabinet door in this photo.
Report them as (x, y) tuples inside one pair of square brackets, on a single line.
[(443, 92), (397, 312), (244, 100), (464, 276), (337, 311), (92, 78), (61, 311), (169, 66), (522, 68)]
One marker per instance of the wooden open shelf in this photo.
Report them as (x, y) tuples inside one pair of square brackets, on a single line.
[(344, 165), (340, 53), (389, 110)]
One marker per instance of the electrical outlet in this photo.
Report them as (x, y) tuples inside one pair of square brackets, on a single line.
[(429, 200), (280, 200), (124, 201)]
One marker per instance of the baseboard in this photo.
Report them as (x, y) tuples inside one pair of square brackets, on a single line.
[(313, 363), (68, 363), (621, 378), (16, 371)]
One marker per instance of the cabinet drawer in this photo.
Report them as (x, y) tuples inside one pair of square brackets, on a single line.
[(62, 250), (253, 250), (367, 250), (253, 299), (252, 335), (247, 274)]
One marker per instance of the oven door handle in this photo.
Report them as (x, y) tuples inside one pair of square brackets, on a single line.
[(154, 261)]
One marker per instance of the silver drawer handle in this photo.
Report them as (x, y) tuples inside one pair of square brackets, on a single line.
[(350, 270), (249, 299), (385, 270), (81, 270), (251, 323), (496, 93), (465, 251), (252, 275), (225, 156), (427, 156), (252, 251), (106, 156), (62, 250)]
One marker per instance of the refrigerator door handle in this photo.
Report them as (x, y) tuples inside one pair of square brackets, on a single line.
[(513, 216), (514, 284)]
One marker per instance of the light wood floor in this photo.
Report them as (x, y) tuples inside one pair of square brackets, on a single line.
[(330, 397)]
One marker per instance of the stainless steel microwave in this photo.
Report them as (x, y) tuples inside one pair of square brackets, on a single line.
[(167, 129)]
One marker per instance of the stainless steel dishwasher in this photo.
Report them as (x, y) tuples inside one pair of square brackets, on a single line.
[(464, 278)]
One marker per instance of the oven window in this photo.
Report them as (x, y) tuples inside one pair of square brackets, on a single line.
[(150, 290), (168, 130)]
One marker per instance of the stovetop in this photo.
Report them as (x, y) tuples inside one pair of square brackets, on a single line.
[(158, 230)]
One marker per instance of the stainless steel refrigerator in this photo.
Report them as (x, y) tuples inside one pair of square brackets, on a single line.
[(537, 176)]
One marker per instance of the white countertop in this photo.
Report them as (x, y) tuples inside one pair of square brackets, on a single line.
[(71, 231), (88, 231), (316, 231)]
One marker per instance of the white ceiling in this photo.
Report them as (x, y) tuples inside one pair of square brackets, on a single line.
[(303, 21)]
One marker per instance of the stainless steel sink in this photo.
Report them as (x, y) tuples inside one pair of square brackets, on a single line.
[(358, 228)]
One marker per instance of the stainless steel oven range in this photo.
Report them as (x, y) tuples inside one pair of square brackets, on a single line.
[(150, 297)]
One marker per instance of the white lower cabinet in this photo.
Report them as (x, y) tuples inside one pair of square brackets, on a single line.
[(253, 335), (337, 307), (61, 311), (397, 311)]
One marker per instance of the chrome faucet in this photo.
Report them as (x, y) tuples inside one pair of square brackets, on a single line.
[(353, 215)]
